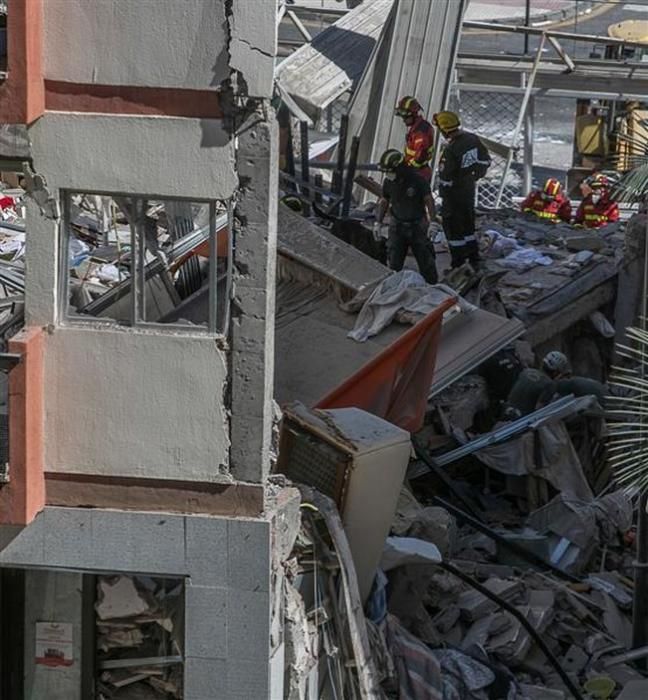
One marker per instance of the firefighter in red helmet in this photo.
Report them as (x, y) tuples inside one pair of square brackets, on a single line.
[(549, 203), (597, 207), (419, 147)]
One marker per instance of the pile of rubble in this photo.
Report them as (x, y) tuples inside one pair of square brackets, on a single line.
[(583, 618), (139, 638)]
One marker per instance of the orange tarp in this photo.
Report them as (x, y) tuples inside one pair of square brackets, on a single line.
[(396, 383)]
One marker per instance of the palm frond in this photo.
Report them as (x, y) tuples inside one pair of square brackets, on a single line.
[(633, 185), (628, 434)]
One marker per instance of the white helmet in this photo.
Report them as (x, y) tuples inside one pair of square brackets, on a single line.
[(556, 363)]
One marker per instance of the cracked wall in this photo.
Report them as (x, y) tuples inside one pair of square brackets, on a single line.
[(146, 43), (123, 401), (202, 412)]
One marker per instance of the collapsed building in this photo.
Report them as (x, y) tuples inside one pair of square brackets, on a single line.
[(183, 514)]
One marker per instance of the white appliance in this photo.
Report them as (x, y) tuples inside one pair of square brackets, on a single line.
[(358, 460)]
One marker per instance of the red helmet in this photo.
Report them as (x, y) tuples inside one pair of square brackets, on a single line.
[(599, 181), (408, 106), (551, 188)]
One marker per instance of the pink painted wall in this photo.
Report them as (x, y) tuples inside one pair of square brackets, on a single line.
[(24, 496), (22, 94)]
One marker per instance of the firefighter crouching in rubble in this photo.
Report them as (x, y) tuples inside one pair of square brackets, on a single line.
[(419, 146), (535, 388), (409, 200), (464, 160), (597, 207), (549, 203)]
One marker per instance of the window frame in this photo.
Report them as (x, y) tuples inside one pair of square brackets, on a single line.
[(138, 277)]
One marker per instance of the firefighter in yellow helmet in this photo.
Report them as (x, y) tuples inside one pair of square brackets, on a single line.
[(548, 204), (464, 160), (419, 147), (409, 201)]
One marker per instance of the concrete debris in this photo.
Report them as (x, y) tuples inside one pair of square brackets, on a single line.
[(139, 637), (119, 598)]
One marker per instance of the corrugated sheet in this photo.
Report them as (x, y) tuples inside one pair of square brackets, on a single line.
[(318, 73), (416, 57)]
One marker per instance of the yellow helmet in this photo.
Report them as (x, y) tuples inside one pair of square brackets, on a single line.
[(446, 121)]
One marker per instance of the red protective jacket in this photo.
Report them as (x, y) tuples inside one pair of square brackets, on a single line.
[(419, 148), (558, 209), (6, 201), (591, 215)]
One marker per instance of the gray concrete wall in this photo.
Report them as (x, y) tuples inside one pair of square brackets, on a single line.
[(52, 597), (192, 44), (167, 156), (253, 311), (158, 43), (153, 403), (226, 565), (126, 402), (121, 401)]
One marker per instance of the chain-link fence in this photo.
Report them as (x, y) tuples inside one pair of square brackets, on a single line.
[(493, 115), (329, 121)]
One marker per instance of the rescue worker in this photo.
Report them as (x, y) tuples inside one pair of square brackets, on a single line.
[(419, 147), (464, 160), (535, 388), (557, 367), (549, 204), (597, 207), (408, 198)]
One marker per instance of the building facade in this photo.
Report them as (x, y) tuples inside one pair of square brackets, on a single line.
[(138, 535)]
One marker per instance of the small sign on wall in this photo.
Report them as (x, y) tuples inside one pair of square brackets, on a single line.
[(54, 644)]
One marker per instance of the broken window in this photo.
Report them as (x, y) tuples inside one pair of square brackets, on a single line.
[(139, 637), (144, 260)]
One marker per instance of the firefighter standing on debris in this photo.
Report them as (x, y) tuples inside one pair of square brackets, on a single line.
[(419, 147), (548, 204), (464, 160), (597, 207), (409, 200)]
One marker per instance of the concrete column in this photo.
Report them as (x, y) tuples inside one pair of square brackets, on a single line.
[(41, 271), (52, 596), (253, 308)]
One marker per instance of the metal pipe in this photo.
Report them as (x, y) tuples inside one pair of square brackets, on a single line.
[(212, 324), (514, 547), (537, 31), (325, 165), (520, 120), (338, 174), (348, 185), (527, 22), (521, 425), (290, 152), (305, 162), (634, 655), (537, 638)]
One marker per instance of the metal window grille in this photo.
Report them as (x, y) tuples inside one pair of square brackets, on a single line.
[(493, 115), (150, 261)]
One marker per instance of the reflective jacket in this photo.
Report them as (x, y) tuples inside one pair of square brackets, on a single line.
[(464, 160), (419, 148), (591, 215), (555, 210)]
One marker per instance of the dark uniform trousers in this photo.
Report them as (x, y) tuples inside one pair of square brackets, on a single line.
[(458, 213), (411, 234)]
